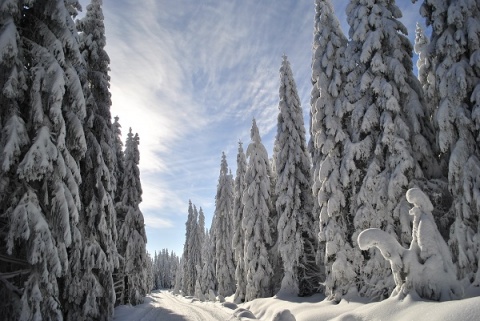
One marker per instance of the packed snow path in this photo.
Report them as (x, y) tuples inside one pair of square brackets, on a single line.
[(164, 306)]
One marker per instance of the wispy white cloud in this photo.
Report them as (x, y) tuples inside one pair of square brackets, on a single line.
[(157, 222), (189, 77)]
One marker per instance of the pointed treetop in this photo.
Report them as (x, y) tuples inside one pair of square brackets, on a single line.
[(325, 7), (224, 165), (421, 39), (254, 133), (285, 69)]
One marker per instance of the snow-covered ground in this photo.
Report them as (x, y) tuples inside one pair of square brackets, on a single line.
[(163, 305)]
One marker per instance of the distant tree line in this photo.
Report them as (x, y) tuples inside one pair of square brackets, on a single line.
[(165, 266)]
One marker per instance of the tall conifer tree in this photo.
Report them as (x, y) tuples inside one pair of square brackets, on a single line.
[(132, 233), (188, 282), (296, 239), (208, 267), (453, 51), (41, 141), (388, 149), (225, 266), (94, 297), (330, 113), (238, 232), (256, 219)]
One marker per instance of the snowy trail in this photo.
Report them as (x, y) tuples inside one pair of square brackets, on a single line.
[(164, 306)]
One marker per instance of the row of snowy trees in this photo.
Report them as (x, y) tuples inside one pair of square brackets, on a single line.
[(262, 239), (72, 233), (376, 131)]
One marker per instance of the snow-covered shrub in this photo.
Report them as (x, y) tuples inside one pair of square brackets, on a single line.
[(426, 268)]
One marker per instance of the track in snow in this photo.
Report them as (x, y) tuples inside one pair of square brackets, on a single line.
[(165, 306)]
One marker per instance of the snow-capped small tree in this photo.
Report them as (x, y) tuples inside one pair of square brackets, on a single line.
[(225, 266), (238, 233), (256, 219), (132, 233), (295, 229), (426, 268)]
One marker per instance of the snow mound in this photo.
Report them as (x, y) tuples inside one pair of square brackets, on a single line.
[(230, 305), (284, 315), (242, 313)]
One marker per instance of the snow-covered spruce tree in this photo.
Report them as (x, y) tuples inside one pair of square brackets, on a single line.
[(199, 247), (455, 50), (207, 278), (189, 272), (132, 238), (436, 189), (195, 248), (156, 271), (174, 266), (118, 174), (41, 141), (238, 233), (178, 284), (213, 242), (225, 266), (387, 151), (296, 239), (94, 298), (119, 161), (150, 275), (256, 219), (273, 253), (14, 139), (426, 268), (331, 190)]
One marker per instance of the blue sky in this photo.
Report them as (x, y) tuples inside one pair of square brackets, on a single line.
[(189, 76)]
